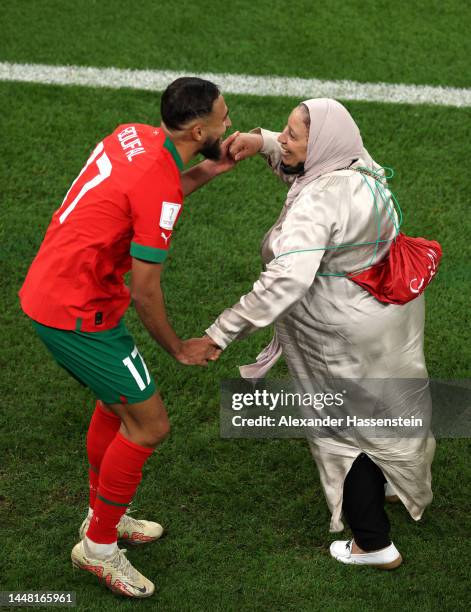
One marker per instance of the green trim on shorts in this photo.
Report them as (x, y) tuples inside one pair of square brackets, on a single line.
[(107, 362), (148, 253)]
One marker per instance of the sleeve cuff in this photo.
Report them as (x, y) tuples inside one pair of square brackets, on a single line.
[(148, 253), (218, 336), (270, 141)]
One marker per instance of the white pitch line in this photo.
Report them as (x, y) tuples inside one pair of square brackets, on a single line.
[(157, 80)]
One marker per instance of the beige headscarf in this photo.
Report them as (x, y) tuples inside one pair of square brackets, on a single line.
[(334, 142)]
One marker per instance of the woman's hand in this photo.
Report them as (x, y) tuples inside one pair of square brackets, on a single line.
[(197, 351), (245, 145), (226, 162)]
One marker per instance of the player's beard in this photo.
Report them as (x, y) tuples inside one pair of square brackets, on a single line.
[(212, 149)]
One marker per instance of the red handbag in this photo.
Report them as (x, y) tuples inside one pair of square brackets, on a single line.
[(405, 273), (410, 264)]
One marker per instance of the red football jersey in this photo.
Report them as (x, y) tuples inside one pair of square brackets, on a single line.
[(123, 204)]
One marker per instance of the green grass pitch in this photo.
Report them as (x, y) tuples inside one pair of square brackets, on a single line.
[(247, 522)]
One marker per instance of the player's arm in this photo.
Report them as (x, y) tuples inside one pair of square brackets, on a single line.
[(149, 302), (146, 294), (155, 207), (202, 173)]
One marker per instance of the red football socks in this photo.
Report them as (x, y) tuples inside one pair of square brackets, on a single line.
[(120, 475), (103, 428)]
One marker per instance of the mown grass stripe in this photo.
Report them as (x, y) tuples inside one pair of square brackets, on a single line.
[(157, 80)]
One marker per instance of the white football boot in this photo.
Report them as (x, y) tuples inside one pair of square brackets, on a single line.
[(116, 572), (387, 558), (130, 530)]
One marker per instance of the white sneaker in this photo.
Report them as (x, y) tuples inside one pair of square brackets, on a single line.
[(390, 493), (130, 530), (387, 558), (116, 572)]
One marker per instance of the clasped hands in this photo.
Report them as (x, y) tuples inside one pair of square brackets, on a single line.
[(197, 351)]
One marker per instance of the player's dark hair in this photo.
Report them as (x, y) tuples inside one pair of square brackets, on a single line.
[(185, 99)]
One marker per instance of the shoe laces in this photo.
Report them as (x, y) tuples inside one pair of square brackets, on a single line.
[(130, 519), (122, 564)]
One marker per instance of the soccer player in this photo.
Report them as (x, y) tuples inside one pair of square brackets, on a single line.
[(119, 215)]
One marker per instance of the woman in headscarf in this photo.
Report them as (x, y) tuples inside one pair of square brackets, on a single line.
[(327, 327)]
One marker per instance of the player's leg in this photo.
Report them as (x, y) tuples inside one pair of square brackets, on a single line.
[(143, 426), (145, 423), (110, 364), (105, 423), (104, 426)]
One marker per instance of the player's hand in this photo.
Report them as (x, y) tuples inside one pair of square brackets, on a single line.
[(245, 145), (198, 351), (226, 162)]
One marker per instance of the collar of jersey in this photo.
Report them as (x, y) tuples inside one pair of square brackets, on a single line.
[(168, 144)]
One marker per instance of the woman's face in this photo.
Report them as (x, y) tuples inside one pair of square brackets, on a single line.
[(294, 138)]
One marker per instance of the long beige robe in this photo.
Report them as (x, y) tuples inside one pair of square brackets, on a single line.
[(328, 327)]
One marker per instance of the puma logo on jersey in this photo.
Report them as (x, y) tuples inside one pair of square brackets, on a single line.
[(165, 237)]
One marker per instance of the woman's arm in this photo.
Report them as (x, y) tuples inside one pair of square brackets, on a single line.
[(264, 142), (286, 279)]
